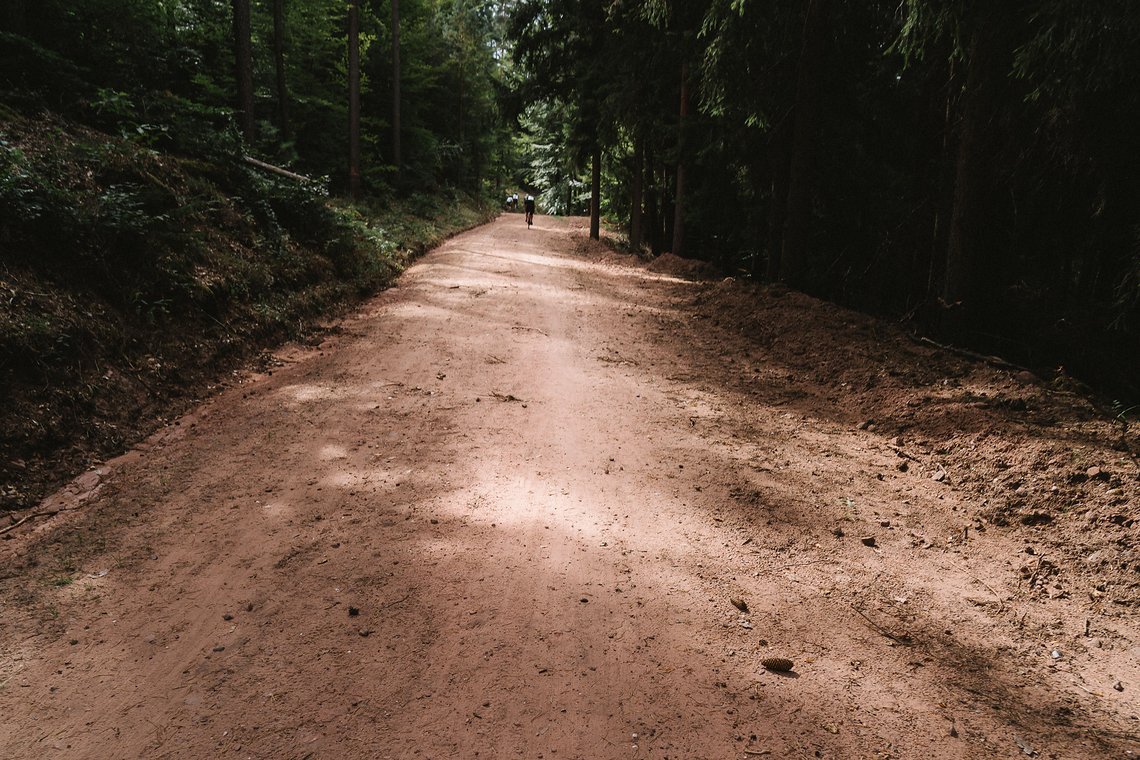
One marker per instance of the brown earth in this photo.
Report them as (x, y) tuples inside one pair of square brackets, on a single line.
[(512, 508)]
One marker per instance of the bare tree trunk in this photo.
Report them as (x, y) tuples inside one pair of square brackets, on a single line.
[(596, 193), (967, 216), (243, 67), (636, 180), (941, 187), (279, 64), (801, 184), (354, 98), (679, 199), (778, 208), (652, 221), (396, 157)]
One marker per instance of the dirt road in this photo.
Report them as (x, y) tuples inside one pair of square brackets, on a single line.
[(505, 511)]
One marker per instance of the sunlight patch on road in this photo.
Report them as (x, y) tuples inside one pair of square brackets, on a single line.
[(332, 451), (277, 509), (419, 311), (309, 393)]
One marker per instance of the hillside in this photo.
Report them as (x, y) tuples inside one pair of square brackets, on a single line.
[(133, 280)]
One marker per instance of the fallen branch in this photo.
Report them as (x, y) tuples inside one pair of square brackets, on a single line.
[(995, 361), (276, 169), (17, 524), (33, 516)]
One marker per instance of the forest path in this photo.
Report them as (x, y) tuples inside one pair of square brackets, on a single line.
[(503, 512)]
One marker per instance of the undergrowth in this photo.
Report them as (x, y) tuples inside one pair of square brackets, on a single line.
[(138, 266)]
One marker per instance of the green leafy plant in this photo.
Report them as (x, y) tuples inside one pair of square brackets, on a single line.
[(1125, 414)]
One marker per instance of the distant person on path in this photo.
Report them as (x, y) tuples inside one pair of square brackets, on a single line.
[(529, 206)]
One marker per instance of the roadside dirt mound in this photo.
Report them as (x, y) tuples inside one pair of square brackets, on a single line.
[(1045, 464), (667, 263)]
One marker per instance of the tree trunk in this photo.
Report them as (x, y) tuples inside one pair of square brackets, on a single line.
[(941, 186), (801, 185), (243, 67), (596, 193), (636, 181), (279, 64), (968, 214), (396, 157), (679, 198), (778, 168), (354, 98), (667, 208), (652, 221)]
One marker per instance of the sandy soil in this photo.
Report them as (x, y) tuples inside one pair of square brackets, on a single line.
[(512, 507)]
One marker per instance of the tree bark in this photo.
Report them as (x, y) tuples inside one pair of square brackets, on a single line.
[(679, 199), (396, 157), (652, 221), (243, 67), (968, 215), (801, 183), (636, 180), (596, 193), (354, 98), (778, 167), (940, 185), (279, 65)]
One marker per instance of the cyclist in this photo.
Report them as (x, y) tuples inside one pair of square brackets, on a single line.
[(529, 206)]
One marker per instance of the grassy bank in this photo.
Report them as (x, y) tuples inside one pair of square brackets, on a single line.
[(133, 280)]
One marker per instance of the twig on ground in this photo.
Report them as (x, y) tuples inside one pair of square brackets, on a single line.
[(902, 453), (33, 516), (995, 361), (976, 579), (903, 639), (17, 524), (398, 601), (798, 564), (1036, 570)]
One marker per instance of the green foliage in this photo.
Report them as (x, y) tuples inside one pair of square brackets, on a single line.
[(1125, 414)]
